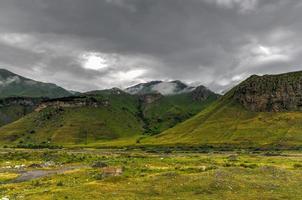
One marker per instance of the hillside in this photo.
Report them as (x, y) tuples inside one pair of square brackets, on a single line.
[(100, 116), (163, 112), (77, 120), (262, 111), (13, 108), (13, 85)]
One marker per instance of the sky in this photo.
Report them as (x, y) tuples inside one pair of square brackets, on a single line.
[(86, 45)]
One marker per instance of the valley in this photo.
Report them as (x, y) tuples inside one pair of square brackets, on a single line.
[(150, 100), (93, 118), (158, 140)]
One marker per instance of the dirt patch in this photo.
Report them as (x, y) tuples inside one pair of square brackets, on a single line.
[(34, 174)]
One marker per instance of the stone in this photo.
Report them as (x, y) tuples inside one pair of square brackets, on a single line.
[(271, 93)]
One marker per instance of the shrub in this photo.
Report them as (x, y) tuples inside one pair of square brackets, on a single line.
[(98, 176), (60, 184), (251, 166), (297, 165)]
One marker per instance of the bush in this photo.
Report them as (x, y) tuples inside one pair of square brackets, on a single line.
[(43, 145), (99, 164), (297, 165), (233, 158), (227, 164), (60, 184), (251, 166), (98, 176)]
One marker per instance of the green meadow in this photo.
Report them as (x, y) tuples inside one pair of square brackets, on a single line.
[(149, 174)]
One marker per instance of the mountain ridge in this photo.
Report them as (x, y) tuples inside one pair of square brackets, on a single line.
[(12, 85), (102, 115), (163, 87), (231, 122)]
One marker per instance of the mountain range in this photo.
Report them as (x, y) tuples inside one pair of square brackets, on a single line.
[(102, 115), (260, 112)]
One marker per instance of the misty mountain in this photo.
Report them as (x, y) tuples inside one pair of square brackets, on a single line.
[(162, 87), (12, 85), (103, 116), (262, 111)]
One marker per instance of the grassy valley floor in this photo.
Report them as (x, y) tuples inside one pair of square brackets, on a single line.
[(136, 174)]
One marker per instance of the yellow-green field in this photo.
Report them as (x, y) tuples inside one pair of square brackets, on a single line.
[(149, 174)]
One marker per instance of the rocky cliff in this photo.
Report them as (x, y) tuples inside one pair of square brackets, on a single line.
[(149, 98), (72, 102), (13, 108), (271, 93), (201, 93)]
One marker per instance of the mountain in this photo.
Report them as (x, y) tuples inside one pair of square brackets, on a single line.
[(103, 116), (162, 112), (12, 85), (262, 111), (165, 88), (13, 108), (77, 120), (271, 93)]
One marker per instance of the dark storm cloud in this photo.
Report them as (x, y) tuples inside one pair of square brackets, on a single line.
[(93, 44)]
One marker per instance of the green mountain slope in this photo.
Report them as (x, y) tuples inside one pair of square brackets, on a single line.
[(77, 120), (263, 111), (14, 85), (103, 116), (167, 111), (13, 108)]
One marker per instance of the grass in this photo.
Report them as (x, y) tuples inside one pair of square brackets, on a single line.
[(120, 122), (75, 126), (223, 123), (226, 123), (12, 113), (176, 175), (7, 176), (171, 110)]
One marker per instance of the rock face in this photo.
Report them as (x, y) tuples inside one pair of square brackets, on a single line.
[(149, 98), (13, 108), (72, 102), (271, 93), (22, 101), (201, 93)]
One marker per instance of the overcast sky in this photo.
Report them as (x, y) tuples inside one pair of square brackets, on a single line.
[(94, 44)]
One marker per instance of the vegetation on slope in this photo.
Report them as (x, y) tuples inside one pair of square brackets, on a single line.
[(14, 85), (78, 124), (13, 108), (100, 116), (170, 110), (228, 122)]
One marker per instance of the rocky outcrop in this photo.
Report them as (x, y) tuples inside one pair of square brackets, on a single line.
[(201, 93), (22, 101), (13, 108), (149, 98), (271, 93), (72, 102)]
